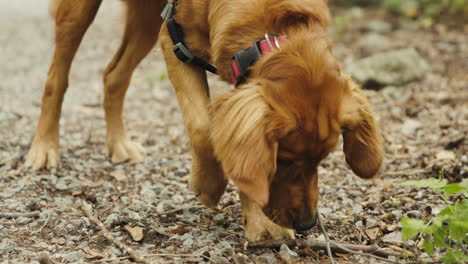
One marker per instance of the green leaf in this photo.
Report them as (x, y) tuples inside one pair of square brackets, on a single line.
[(454, 256), (439, 236), (434, 184), (411, 227), (454, 188), (458, 230), (428, 246), (447, 212)]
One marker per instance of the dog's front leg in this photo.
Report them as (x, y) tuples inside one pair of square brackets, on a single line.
[(257, 225), (206, 179)]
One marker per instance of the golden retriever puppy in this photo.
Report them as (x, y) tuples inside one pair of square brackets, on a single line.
[(268, 136)]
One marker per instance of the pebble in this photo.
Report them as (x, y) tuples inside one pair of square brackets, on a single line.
[(285, 250), (395, 67), (112, 219), (378, 26), (164, 206), (188, 243), (410, 126), (393, 238), (73, 256), (24, 220), (267, 258), (357, 209), (370, 222)]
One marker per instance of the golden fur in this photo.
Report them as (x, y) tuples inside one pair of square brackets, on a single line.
[(268, 136)]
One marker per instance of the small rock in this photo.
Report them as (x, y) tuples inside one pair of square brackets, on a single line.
[(186, 236), (393, 238), (164, 206), (285, 250), (224, 246), (357, 209), (112, 220), (61, 186), (370, 222), (325, 211), (134, 216), (410, 126), (41, 245), (378, 26), (374, 42), (181, 172), (63, 202), (73, 256), (397, 213), (24, 220), (267, 258), (178, 199), (396, 67), (188, 243), (218, 218)]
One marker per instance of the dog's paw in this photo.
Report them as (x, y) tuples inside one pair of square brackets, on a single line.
[(43, 155), (261, 228), (207, 192), (207, 182), (125, 150)]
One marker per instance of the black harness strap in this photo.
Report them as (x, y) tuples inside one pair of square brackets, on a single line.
[(177, 35)]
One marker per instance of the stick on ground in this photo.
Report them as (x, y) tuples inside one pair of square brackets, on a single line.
[(322, 245), (17, 215), (130, 252)]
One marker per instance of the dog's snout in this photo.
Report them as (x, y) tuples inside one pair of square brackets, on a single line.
[(305, 224)]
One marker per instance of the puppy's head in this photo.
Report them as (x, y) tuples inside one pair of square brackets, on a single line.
[(271, 133)]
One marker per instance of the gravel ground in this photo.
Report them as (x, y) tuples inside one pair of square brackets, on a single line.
[(424, 124)]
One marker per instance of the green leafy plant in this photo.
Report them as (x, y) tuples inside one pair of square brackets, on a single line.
[(447, 231)]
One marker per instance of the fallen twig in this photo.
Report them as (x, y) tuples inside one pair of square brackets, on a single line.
[(17, 215), (176, 210), (318, 244), (147, 256), (132, 254), (327, 238), (45, 223)]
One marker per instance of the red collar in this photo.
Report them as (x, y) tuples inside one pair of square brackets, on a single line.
[(246, 58)]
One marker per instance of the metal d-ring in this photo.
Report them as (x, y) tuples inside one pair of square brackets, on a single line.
[(276, 41)]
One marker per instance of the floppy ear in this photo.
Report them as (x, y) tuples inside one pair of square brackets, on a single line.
[(362, 142), (282, 14), (242, 142)]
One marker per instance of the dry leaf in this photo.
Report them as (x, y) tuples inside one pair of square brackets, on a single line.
[(118, 175), (179, 230), (373, 232), (306, 252), (136, 232)]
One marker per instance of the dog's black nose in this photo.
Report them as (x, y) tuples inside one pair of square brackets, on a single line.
[(305, 224)]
